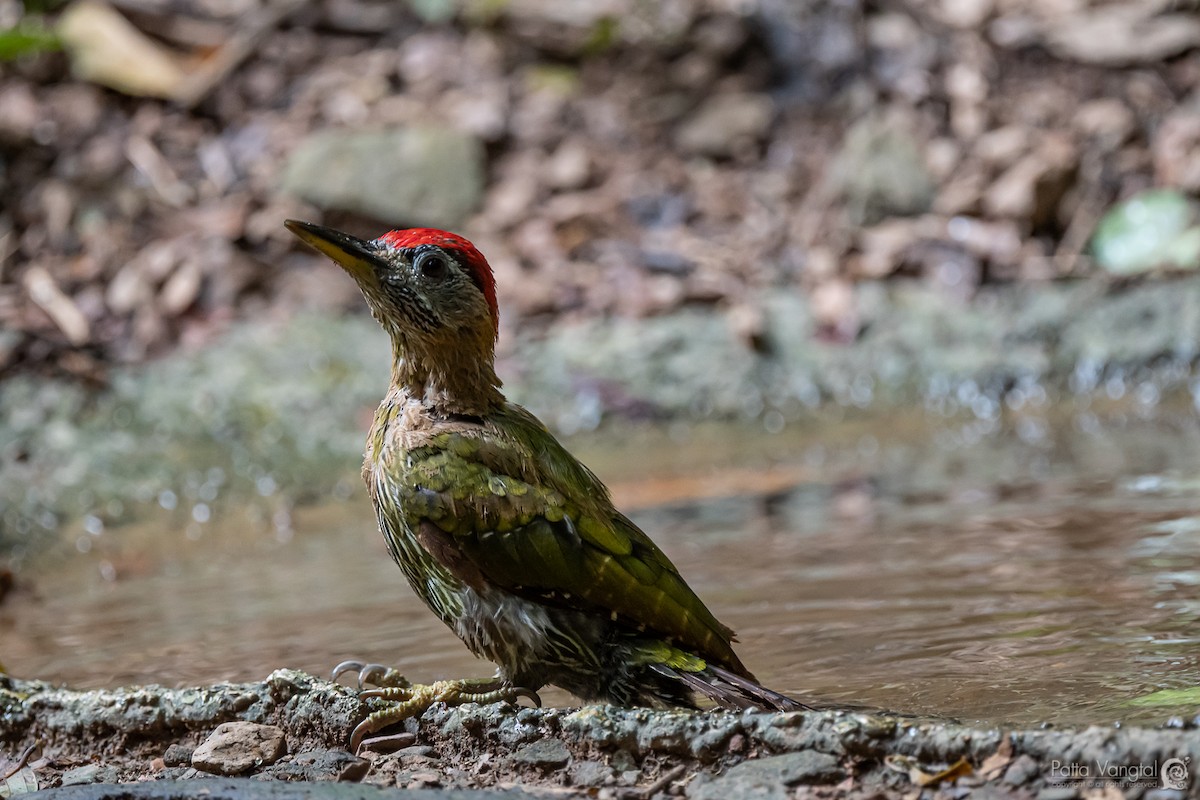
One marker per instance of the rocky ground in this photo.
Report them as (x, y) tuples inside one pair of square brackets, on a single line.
[(292, 727)]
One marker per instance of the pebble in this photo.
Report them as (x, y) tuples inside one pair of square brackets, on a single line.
[(545, 754), (724, 122), (1021, 771), (177, 755), (89, 773), (770, 777), (423, 175), (591, 774), (238, 747)]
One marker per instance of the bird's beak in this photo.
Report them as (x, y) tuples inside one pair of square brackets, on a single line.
[(352, 254)]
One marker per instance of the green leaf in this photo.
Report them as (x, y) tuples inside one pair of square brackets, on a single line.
[(27, 38), (1147, 231)]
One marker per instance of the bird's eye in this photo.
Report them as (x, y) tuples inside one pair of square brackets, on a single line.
[(432, 266)]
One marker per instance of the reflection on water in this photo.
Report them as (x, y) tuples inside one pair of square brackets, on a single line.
[(883, 563)]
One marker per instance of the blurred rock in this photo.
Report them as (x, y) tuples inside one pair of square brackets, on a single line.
[(1108, 121), (570, 166), (1133, 32), (411, 176), (1001, 147), (1032, 188), (879, 171), (905, 54), (965, 14), (813, 44), (19, 113), (726, 124), (967, 87), (1176, 150), (882, 247), (835, 310)]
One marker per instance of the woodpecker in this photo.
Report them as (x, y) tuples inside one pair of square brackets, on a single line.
[(505, 535)]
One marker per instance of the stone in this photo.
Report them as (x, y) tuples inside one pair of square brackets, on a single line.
[(879, 170), (1021, 771), (320, 765), (89, 773), (726, 123), (966, 14), (1058, 793), (177, 755), (592, 774), (1032, 188), (1176, 150), (770, 777), (544, 754), (238, 747), (404, 176)]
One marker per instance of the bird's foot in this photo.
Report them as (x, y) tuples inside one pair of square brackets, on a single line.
[(405, 700)]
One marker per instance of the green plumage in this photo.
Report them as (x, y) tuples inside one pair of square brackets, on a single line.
[(519, 512)]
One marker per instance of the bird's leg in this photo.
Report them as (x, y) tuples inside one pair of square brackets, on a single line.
[(405, 699)]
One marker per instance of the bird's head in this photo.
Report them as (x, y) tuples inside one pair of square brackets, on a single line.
[(434, 294), (423, 282)]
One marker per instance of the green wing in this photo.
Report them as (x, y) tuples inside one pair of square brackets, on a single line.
[(524, 514)]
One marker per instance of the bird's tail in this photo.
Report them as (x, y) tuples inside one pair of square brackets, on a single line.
[(728, 689)]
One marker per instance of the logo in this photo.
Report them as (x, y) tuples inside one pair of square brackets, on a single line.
[(1170, 774), (1174, 773)]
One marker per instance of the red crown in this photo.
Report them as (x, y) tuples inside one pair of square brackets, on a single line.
[(477, 266)]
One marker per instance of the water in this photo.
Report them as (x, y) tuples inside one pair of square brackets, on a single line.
[(902, 563)]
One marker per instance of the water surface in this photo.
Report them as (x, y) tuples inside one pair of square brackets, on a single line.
[(1040, 568)]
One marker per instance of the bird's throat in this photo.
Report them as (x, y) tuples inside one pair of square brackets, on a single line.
[(453, 384)]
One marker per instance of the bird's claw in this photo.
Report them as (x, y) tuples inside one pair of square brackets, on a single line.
[(412, 700), (528, 694), (372, 674)]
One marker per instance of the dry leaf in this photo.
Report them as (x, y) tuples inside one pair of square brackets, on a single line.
[(995, 764), (106, 48), (57, 305), (23, 781), (1124, 33), (911, 767)]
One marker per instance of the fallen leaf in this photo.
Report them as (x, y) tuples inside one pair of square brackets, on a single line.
[(1124, 33), (58, 306), (106, 48), (23, 781), (911, 767), (995, 764)]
